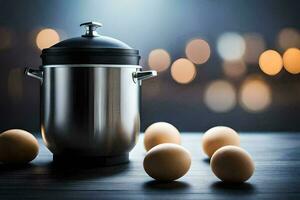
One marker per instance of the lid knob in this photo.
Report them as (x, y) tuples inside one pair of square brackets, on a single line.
[(90, 28)]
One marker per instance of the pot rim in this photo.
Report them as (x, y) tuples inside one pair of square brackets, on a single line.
[(91, 66)]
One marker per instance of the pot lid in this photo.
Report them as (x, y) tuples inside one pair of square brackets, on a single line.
[(90, 48)]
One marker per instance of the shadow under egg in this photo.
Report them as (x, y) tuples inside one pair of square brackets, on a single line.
[(10, 167), (241, 188), (172, 185), (206, 160)]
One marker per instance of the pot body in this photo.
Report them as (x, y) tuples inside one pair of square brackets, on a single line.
[(89, 110)]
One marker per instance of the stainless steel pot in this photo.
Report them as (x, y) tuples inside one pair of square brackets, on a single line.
[(90, 98)]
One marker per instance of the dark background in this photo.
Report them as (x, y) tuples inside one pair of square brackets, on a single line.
[(148, 25)]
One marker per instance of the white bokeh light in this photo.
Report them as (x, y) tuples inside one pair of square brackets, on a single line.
[(231, 46), (220, 96)]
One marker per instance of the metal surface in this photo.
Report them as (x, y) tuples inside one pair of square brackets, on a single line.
[(142, 75), (90, 28), (34, 73), (90, 111), (91, 48)]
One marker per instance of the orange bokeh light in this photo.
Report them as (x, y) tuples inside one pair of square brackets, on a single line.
[(197, 51), (234, 69), (288, 38), (255, 45), (291, 60), (183, 71), (6, 38), (15, 84), (255, 95), (220, 96), (159, 60), (270, 62), (46, 38)]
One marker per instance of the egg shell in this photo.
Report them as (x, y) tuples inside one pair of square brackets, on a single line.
[(232, 164), (18, 146), (167, 162), (217, 137), (161, 132)]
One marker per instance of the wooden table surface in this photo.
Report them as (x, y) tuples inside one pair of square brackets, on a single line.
[(277, 175)]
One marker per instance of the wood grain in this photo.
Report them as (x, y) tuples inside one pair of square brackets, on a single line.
[(277, 175)]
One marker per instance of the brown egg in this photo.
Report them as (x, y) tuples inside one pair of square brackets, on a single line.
[(217, 137), (161, 132), (167, 162), (18, 146), (232, 164)]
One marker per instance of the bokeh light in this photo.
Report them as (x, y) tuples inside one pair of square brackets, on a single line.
[(46, 38), (234, 69), (220, 96), (159, 60), (255, 45), (288, 37), (183, 71), (291, 60), (5, 38), (197, 51), (255, 95), (15, 84), (231, 46), (270, 62)]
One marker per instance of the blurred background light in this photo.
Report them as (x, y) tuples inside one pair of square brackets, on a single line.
[(185, 30), (220, 96), (255, 95), (15, 84), (255, 45), (291, 60), (270, 62), (288, 37), (234, 69), (197, 51), (159, 59), (183, 71), (46, 38), (5, 38), (231, 46)]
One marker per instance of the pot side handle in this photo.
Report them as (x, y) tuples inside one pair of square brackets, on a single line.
[(142, 75), (35, 73)]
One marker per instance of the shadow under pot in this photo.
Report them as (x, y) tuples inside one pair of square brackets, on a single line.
[(89, 100)]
